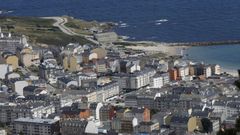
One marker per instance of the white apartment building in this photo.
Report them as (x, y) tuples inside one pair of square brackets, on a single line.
[(216, 69), (208, 71), (157, 82), (4, 69)]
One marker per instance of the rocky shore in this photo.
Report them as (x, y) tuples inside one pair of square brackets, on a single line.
[(208, 43)]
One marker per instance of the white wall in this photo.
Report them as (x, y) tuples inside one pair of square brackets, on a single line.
[(4, 69), (158, 82), (13, 75), (19, 85), (208, 72), (217, 70), (99, 106)]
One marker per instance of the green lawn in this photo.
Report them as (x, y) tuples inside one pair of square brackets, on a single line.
[(38, 30), (82, 27)]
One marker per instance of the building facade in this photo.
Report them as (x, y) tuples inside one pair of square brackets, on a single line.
[(37, 126)]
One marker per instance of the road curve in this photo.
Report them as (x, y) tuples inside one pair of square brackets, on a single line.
[(60, 23)]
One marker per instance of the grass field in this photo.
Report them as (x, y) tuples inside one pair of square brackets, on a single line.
[(83, 27), (38, 30)]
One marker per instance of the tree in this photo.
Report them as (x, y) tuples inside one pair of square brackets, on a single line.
[(21, 133), (227, 132), (230, 132), (237, 83), (207, 125), (237, 126), (2, 125)]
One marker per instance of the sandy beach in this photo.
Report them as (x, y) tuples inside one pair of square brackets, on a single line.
[(166, 48), (169, 49), (231, 72)]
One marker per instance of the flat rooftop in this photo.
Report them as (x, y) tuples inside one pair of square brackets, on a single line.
[(36, 120)]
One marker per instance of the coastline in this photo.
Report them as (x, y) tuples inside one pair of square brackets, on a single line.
[(150, 46), (170, 49), (230, 71), (208, 43)]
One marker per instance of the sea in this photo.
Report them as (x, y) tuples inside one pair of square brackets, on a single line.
[(154, 20)]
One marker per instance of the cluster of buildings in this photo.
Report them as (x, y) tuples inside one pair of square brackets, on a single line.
[(9, 42), (91, 89), (193, 70)]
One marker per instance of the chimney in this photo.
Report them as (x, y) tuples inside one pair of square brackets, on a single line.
[(9, 35)]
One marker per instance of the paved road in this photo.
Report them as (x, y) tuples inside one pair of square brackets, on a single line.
[(60, 23)]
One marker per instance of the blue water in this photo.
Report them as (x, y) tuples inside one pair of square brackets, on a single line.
[(228, 56), (188, 20)]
